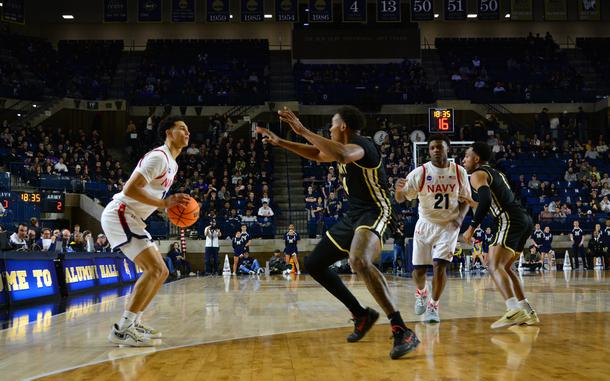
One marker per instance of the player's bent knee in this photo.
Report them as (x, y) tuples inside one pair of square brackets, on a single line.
[(360, 264)]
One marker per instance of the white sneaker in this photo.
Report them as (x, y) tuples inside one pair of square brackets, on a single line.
[(286, 272), (233, 274), (147, 331), (431, 315), (260, 271), (421, 301), (251, 272), (129, 337), (192, 274), (511, 317), (298, 273)]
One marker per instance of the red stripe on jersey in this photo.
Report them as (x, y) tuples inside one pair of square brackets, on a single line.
[(423, 178), (457, 173)]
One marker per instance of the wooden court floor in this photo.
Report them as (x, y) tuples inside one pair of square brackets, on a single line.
[(290, 329)]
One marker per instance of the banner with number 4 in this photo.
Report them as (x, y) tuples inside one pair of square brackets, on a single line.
[(354, 10)]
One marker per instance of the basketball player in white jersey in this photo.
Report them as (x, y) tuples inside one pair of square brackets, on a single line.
[(438, 184), (123, 222)]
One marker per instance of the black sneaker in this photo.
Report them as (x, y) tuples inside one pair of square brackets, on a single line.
[(363, 324), (405, 341)]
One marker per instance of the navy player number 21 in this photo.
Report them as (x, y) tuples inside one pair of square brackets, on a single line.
[(439, 198)]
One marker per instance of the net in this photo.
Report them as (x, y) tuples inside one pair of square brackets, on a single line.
[(456, 152)]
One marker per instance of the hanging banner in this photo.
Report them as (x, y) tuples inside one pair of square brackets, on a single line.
[(14, 11), (555, 10), (218, 10), (422, 10), (521, 10), (183, 10), (115, 10), (488, 10), (589, 10), (149, 11), (354, 10), (286, 10), (389, 11), (455, 10), (252, 10), (320, 11)]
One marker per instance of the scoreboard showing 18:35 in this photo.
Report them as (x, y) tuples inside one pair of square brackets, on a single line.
[(48, 202), (440, 120)]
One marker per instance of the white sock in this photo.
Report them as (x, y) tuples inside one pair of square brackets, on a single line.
[(434, 303), (127, 320), (139, 317), (525, 304), (512, 303), (423, 291)]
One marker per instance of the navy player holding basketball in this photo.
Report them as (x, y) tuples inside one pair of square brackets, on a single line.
[(514, 227), (123, 223), (360, 233)]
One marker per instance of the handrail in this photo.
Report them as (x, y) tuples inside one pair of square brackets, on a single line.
[(503, 111)]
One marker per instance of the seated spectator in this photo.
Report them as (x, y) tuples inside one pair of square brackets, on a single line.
[(570, 176), (265, 210), (249, 265), (565, 210), (179, 262), (101, 244), (277, 264), (554, 206), (546, 215), (60, 167), (533, 260), (46, 242), (534, 183), (18, 240), (67, 245)]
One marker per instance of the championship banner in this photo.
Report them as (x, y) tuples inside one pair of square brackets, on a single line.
[(422, 10), (252, 10), (589, 10), (30, 279), (218, 10), (183, 10), (149, 10), (115, 10), (127, 270), (286, 10), (488, 10), (354, 10), (320, 11), (389, 11), (521, 10), (455, 10), (555, 10), (80, 274), (107, 271), (13, 11)]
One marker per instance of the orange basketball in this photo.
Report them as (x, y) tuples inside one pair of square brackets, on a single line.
[(184, 216)]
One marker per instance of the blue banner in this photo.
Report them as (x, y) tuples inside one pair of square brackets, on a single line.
[(218, 10), (127, 270), (389, 11), (13, 11), (287, 10), (183, 10), (115, 10), (80, 273), (488, 10), (354, 10), (149, 10), (107, 271), (30, 279), (455, 9), (252, 10), (320, 11), (422, 10)]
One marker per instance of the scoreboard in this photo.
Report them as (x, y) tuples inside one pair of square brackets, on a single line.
[(48, 202), (440, 120)]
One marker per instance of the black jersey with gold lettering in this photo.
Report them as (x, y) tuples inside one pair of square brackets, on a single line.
[(365, 180), (502, 197)]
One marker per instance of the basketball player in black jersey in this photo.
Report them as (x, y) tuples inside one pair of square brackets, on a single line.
[(514, 227), (358, 235)]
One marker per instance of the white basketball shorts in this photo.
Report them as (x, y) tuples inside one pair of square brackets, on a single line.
[(125, 230), (433, 241)]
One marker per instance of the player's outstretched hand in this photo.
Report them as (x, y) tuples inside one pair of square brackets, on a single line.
[(268, 136), (287, 116), (181, 199)]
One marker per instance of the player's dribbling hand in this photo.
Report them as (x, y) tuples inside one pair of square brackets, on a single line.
[(287, 116), (468, 200), (176, 199), (268, 136)]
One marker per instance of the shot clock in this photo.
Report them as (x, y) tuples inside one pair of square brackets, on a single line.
[(440, 120)]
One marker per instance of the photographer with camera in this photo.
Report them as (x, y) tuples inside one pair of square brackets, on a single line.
[(212, 246)]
